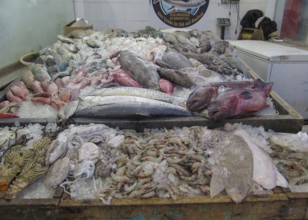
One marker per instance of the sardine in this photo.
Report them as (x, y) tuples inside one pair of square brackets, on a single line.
[(126, 106)]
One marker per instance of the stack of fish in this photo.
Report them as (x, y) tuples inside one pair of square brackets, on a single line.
[(170, 62)]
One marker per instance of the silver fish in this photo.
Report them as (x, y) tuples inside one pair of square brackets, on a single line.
[(126, 106), (140, 92)]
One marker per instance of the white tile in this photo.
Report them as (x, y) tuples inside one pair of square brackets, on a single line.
[(106, 11), (136, 11), (79, 9)]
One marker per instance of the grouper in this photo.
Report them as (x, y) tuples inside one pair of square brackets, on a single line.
[(239, 102), (144, 72), (202, 96)]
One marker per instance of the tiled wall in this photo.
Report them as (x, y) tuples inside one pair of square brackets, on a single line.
[(132, 15), (30, 25)]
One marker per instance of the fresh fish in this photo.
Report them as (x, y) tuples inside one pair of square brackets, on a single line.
[(176, 60), (202, 96), (28, 78), (265, 172), (238, 102), (60, 74), (124, 79), (176, 76), (141, 70), (213, 63), (40, 73), (126, 106), (188, 77), (233, 165), (139, 92)]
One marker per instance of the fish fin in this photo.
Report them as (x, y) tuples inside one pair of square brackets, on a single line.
[(217, 185)]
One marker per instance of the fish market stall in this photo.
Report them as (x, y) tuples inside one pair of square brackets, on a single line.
[(140, 125)]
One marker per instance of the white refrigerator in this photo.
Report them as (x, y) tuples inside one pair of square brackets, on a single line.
[(286, 67)]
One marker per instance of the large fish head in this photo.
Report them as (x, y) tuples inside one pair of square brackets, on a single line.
[(224, 106), (201, 98)]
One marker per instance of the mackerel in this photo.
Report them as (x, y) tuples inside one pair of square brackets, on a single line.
[(140, 92), (126, 106)]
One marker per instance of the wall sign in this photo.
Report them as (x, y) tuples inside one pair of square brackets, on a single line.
[(180, 13)]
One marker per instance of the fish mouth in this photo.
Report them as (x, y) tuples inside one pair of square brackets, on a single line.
[(196, 105), (218, 113)]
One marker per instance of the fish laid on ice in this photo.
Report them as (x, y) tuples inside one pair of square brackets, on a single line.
[(265, 172), (141, 70), (202, 96), (176, 60), (139, 92), (238, 102), (126, 106), (176, 76), (219, 47), (213, 63), (233, 165)]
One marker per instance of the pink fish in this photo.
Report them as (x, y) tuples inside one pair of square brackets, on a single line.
[(124, 79), (239, 102), (74, 94), (78, 76), (18, 91), (60, 83), (11, 97), (165, 86), (57, 103), (42, 100), (64, 96), (37, 87)]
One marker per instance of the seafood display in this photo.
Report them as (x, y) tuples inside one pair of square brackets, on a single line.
[(95, 161), (119, 63)]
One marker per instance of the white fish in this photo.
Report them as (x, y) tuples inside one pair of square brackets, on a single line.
[(265, 172)]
